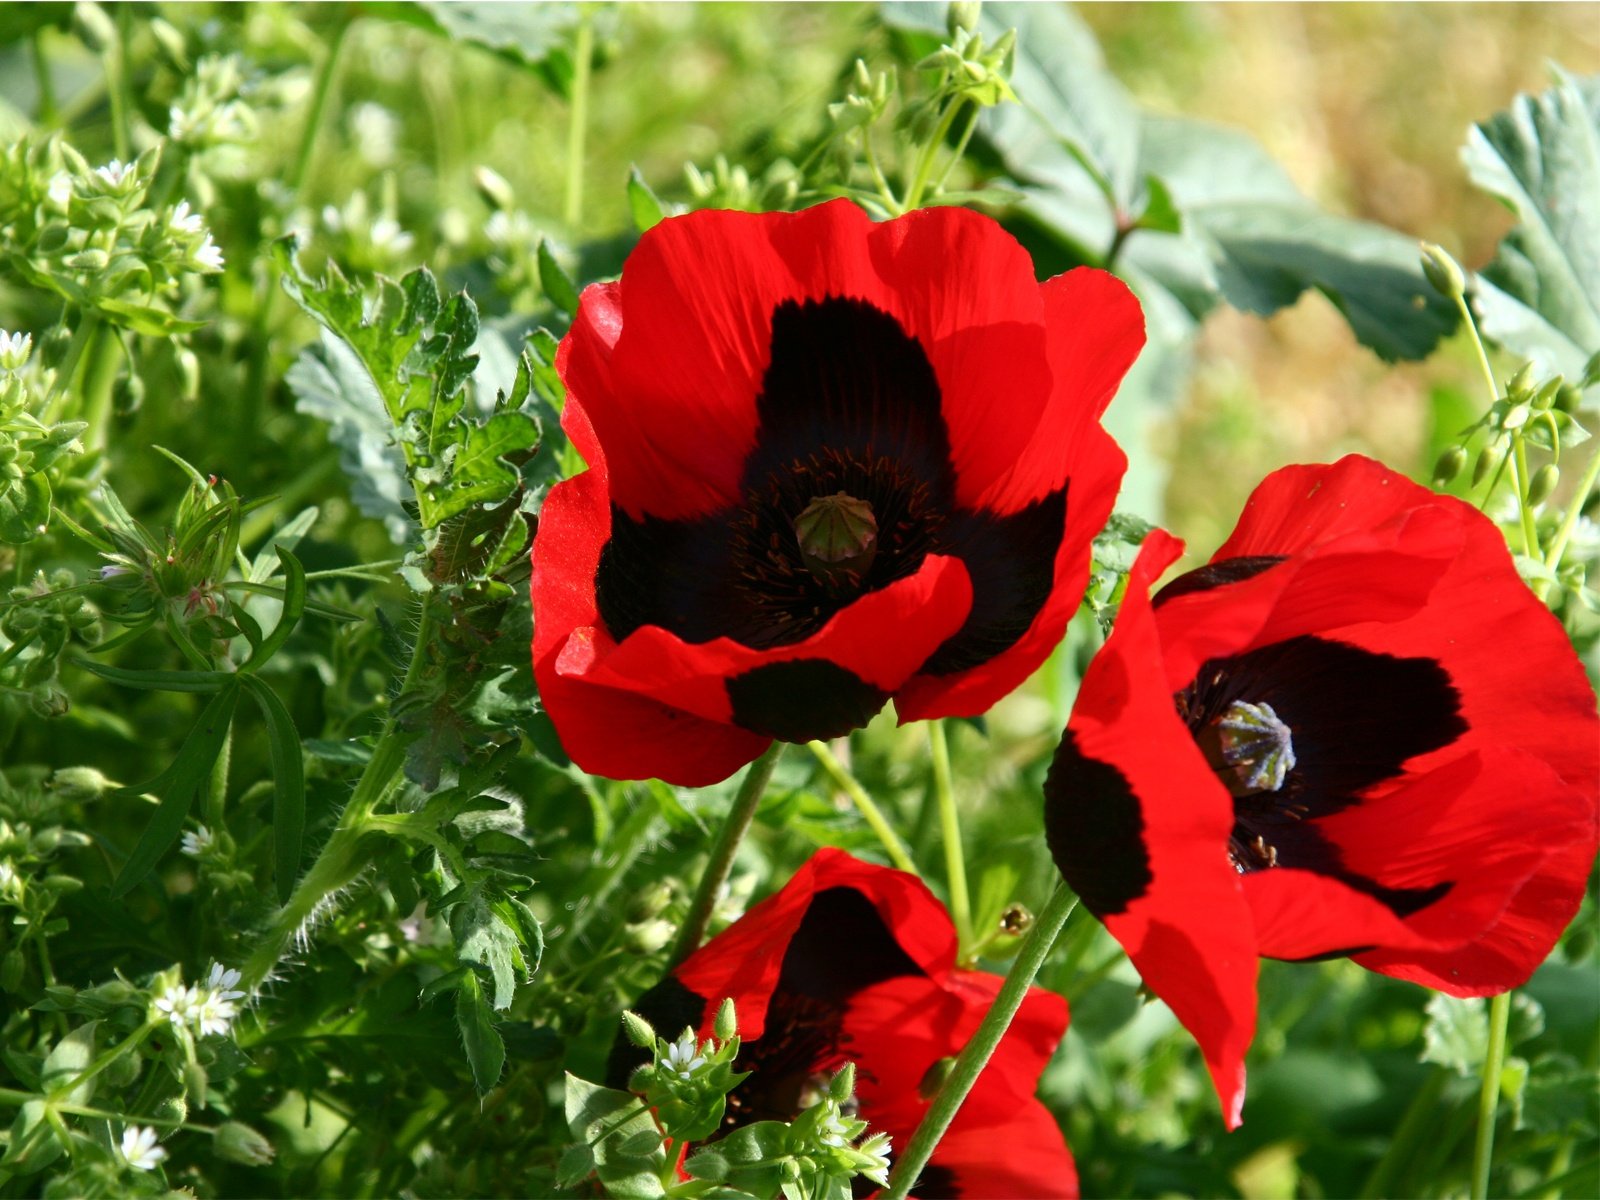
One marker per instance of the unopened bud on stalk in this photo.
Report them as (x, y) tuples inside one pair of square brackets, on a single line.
[(1443, 272), (94, 26), (640, 1032), (933, 1078), (1520, 382), (1449, 465), (47, 700), (963, 15), (1546, 396), (494, 189), (1486, 460), (843, 1085), (236, 1142), (1568, 399), (648, 902), (648, 937), (727, 1023), (1543, 483)]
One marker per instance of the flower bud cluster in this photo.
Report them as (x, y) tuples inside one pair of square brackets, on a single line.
[(687, 1081), (723, 186), (207, 1008), (89, 233), (29, 446)]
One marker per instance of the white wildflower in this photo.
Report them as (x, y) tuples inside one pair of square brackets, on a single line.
[(10, 881), (224, 982), (876, 1148), (178, 1003), (214, 1014), (14, 349), (59, 192), (182, 221), (683, 1056), (196, 843), (832, 1129), (114, 172), (139, 1149), (209, 256), (387, 235)]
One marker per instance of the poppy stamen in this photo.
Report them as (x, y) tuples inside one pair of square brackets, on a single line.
[(1256, 748), (838, 537)]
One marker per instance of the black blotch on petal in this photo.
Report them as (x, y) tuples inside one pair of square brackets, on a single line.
[(671, 1008), (1216, 574), (1095, 830), (803, 699), (841, 947), (675, 574), (936, 1183), (1011, 561)]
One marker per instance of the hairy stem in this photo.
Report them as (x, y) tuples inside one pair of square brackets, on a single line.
[(343, 857), (723, 850), (972, 1059), (870, 812), (1494, 1060), (950, 833)]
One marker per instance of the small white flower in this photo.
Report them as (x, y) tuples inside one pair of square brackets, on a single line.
[(14, 349), (209, 256), (178, 1003), (114, 172), (876, 1148), (181, 220), (139, 1149), (682, 1055), (10, 881), (386, 234), (832, 1129), (214, 1014), (196, 843), (59, 192), (224, 982)]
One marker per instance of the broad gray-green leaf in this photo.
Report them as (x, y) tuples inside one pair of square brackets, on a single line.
[(1540, 297), (620, 1134), (1457, 1032), (529, 32)]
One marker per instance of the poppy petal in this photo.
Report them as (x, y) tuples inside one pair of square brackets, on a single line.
[(1139, 826)]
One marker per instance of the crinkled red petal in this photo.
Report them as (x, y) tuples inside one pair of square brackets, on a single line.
[(1188, 930)]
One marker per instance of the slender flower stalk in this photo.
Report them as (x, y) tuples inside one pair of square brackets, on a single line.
[(865, 805), (971, 1061), (1494, 1060), (582, 62), (693, 930), (950, 834)]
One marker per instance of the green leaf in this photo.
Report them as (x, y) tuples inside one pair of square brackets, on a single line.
[(750, 1158), (294, 607), (492, 935), (67, 1060), (159, 681), (558, 286), (288, 784), (1457, 1032), (525, 33), (177, 787), (1540, 297), (486, 1049), (608, 1122), (643, 205)]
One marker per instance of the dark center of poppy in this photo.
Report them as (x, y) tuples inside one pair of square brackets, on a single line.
[(838, 537), (1249, 747)]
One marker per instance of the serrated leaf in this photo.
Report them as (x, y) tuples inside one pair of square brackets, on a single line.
[(1457, 1031), (484, 935), (486, 1049), (1540, 297)]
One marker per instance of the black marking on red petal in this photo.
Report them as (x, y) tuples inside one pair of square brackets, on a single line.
[(1216, 574), (675, 574), (841, 947), (844, 376), (1011, 561), (936, 1183), (671, 1008), (803, 699), (1094, 827)]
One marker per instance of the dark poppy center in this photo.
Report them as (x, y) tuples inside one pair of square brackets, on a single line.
[(1304, 728)]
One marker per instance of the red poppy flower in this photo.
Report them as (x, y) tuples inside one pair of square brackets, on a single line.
[(830, 462), (1353, 732), (852, 962)]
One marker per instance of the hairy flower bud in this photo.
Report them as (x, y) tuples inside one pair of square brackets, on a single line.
[(726, 1024), (640, 1032), (238, 1143)]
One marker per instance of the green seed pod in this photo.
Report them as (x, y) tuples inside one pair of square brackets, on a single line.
[(236, 1142), (1443, 272), (47, 700), (1487, 457), (1543, 483), (1450, 465), (933, 1079)]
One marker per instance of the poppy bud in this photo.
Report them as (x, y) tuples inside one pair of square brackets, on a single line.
[(1449, 465), (1442, 271), (1543, 483)]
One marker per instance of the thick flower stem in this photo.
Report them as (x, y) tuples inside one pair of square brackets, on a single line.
[(732, 833), (870, 812), (971, 1061), (1494, 1061), (950, 832)]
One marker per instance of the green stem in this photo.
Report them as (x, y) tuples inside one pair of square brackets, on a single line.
[(61, 387), (217, 792), (343, 857), (930, 152), (1418, 1123), (1489, 1098), (723, 850), (41, 72), (972, 1059), (959, 152), (1520, 478), (12, 1096), (577, 126), (99, 383), (320, 91), (1558, 545), (870, 812), (116, 56), (880, 181), (1477, 343), (950, 832)]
